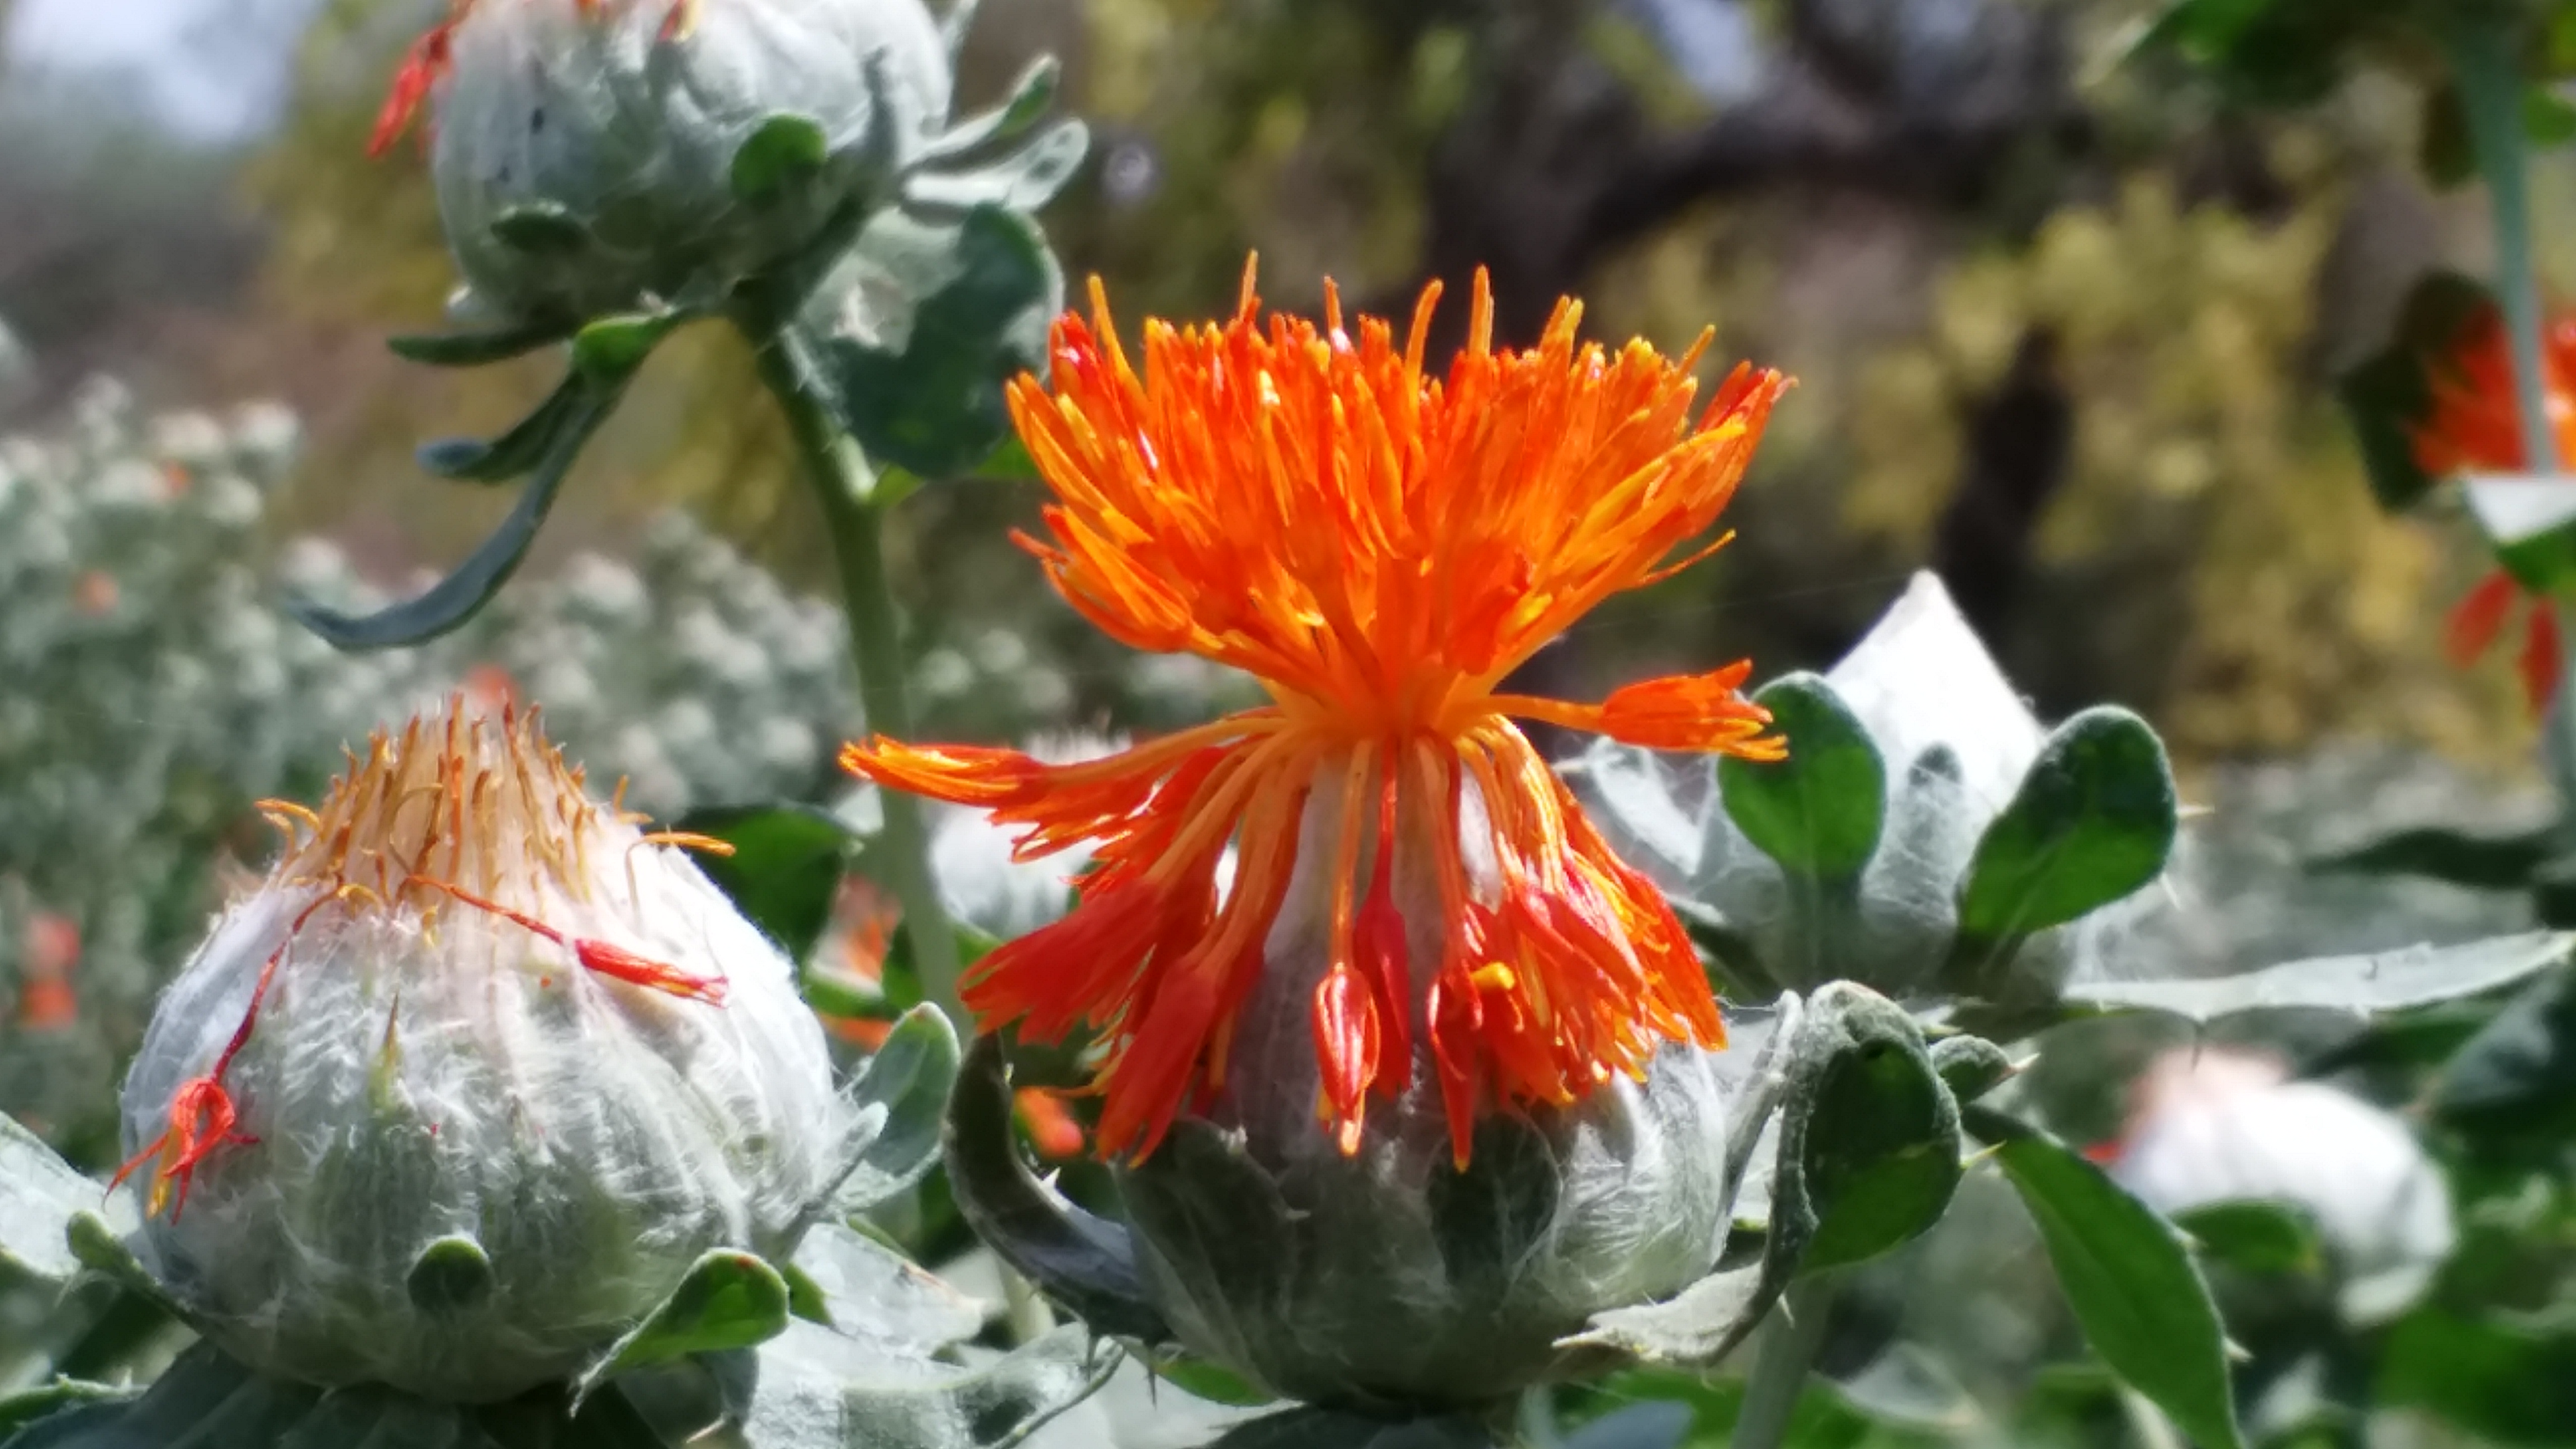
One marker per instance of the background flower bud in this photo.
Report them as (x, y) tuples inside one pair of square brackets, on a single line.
[(489, 1109), (2213, 1126), (1390, 1277), (584, 154)]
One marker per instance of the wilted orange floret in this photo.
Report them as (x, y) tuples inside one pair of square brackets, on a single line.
[(2471, 426), (1380, 547)]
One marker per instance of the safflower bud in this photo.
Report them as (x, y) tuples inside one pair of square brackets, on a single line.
[(461, 1090), (2210, 1126), (1394, 1276), (585, 150)]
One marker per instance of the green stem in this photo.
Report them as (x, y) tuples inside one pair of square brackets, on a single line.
[(844, 484), (2491, 90), (2482, 62), (1535, 1423), (1781, 1363)]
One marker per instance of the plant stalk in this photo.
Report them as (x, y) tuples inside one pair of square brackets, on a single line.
[(1781, 1363), (845, 485), (2491, 90), (2482, 62)]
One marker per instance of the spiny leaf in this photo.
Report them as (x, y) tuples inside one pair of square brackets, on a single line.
[(901, 1096), (728, 1300), (1082, 1261), (2367, 985), (2129, 1278), (2094, 820)]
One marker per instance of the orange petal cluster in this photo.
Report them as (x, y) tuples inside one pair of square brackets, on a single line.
[(2472, 427), (1380, 545)]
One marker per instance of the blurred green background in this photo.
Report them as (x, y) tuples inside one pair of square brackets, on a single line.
[(2063, 325)]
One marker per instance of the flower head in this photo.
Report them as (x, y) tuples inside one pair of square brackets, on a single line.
[(585, 150), (1380, 546), (2471, 427), (469, 1002), (2209, 1126)]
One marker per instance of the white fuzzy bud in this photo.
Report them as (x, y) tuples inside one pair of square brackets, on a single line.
[(2215, 1126), (462, 1089), (624, 117)]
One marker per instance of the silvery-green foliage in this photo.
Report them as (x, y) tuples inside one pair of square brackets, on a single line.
[(156, 691), (1954, 743)]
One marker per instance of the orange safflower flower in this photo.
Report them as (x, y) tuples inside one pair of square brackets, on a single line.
[(2472, 427), (1380, 547)]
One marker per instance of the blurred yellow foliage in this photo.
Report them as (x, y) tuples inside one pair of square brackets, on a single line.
[(2205, 445)]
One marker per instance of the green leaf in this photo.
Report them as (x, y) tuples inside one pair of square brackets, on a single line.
[(450, 1275), (1650, 1425), (2389, 394), (2371, 985), (2128, 1276), (1029, 97), (2500, 1383), (1213, 1382), (784, 150), (2515, 1080), (2255, 1237), (104, 1255), (785, 870), (900, 1097), (1083, 1262), (2531, 522), (818, 1390), (2286, 53), (541, 228), (1868, 1155), (1881, 1133), (475, 349), (39, 1195), (1312, 1428), (126, 1328), (608, 351), (868, 1290), (728, 1300), (1818, 811), (27, 1406), (204, 1399), (2481, 862), (462, 594), (1020, 182), (912, 338), (1970, 1066), (2093, 821), (517, 452)]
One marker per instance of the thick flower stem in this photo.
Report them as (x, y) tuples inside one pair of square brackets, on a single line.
[(2491, 98), (845, 486), (1781, 1362)]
